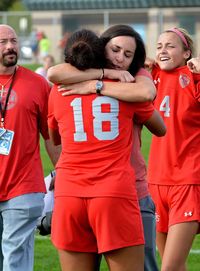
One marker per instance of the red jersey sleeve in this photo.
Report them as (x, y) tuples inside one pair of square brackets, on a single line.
[(143, 112), (143, 72)]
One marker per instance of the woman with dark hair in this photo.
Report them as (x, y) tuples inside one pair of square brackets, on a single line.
[(124, 51), (94, 177), (143, 90), (121, 31)]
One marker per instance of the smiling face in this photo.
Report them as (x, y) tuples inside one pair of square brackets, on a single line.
[(120, 52), (170, 53)]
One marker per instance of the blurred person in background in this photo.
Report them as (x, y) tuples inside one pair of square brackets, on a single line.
[(62, 43), (44, 46), (48, 61)]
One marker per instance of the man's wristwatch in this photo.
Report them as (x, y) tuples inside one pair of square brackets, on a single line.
[(99, 87)]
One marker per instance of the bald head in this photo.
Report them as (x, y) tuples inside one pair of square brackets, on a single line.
[(6, 30), (9, 49), (6, 26)]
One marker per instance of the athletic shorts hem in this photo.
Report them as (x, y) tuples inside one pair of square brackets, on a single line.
[(73, 249), (131, 244), (103, 250)]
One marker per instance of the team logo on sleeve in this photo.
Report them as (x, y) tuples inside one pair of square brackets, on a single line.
[(184, 80), (156, 81), (157, 217), (186, 214)]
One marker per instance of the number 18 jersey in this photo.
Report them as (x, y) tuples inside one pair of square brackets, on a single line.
[(96, 137)]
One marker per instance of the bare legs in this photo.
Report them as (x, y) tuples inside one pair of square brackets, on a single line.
[(174, 246), (78, 261), (124, 259)]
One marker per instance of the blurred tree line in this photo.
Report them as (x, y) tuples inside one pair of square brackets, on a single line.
[(14, 5), (6, 4)]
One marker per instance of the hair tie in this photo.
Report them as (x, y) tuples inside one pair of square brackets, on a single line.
[(181, 36)]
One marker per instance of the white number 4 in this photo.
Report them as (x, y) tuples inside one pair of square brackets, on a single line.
[(165, 106)]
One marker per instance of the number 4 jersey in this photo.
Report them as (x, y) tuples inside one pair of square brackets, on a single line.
[(175, 158), (96, 136)]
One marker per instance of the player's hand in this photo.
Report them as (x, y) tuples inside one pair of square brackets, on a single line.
[(149, 63), (194, 64), (120, 75)]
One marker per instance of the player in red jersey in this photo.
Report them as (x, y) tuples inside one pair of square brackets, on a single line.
[(174, 181), (119, 52), (100, 172), (23, 112)]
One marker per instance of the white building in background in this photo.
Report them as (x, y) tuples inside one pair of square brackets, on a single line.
[(148, 17)]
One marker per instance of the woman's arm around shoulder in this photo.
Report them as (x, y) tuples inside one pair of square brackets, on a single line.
[(65, 73)]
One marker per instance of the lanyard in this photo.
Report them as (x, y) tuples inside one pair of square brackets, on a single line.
[(3, 110)]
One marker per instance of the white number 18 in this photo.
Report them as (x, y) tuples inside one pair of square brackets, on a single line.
[(99, 118)]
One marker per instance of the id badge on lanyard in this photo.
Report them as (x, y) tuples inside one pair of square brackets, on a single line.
[(6, 139), (6, 136)]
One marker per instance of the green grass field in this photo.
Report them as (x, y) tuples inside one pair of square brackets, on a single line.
[(46, 258)]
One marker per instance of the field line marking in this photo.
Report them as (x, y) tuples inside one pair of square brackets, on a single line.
[(195, 251)]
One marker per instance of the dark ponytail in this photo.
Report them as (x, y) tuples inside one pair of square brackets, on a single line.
[(84, 50)]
